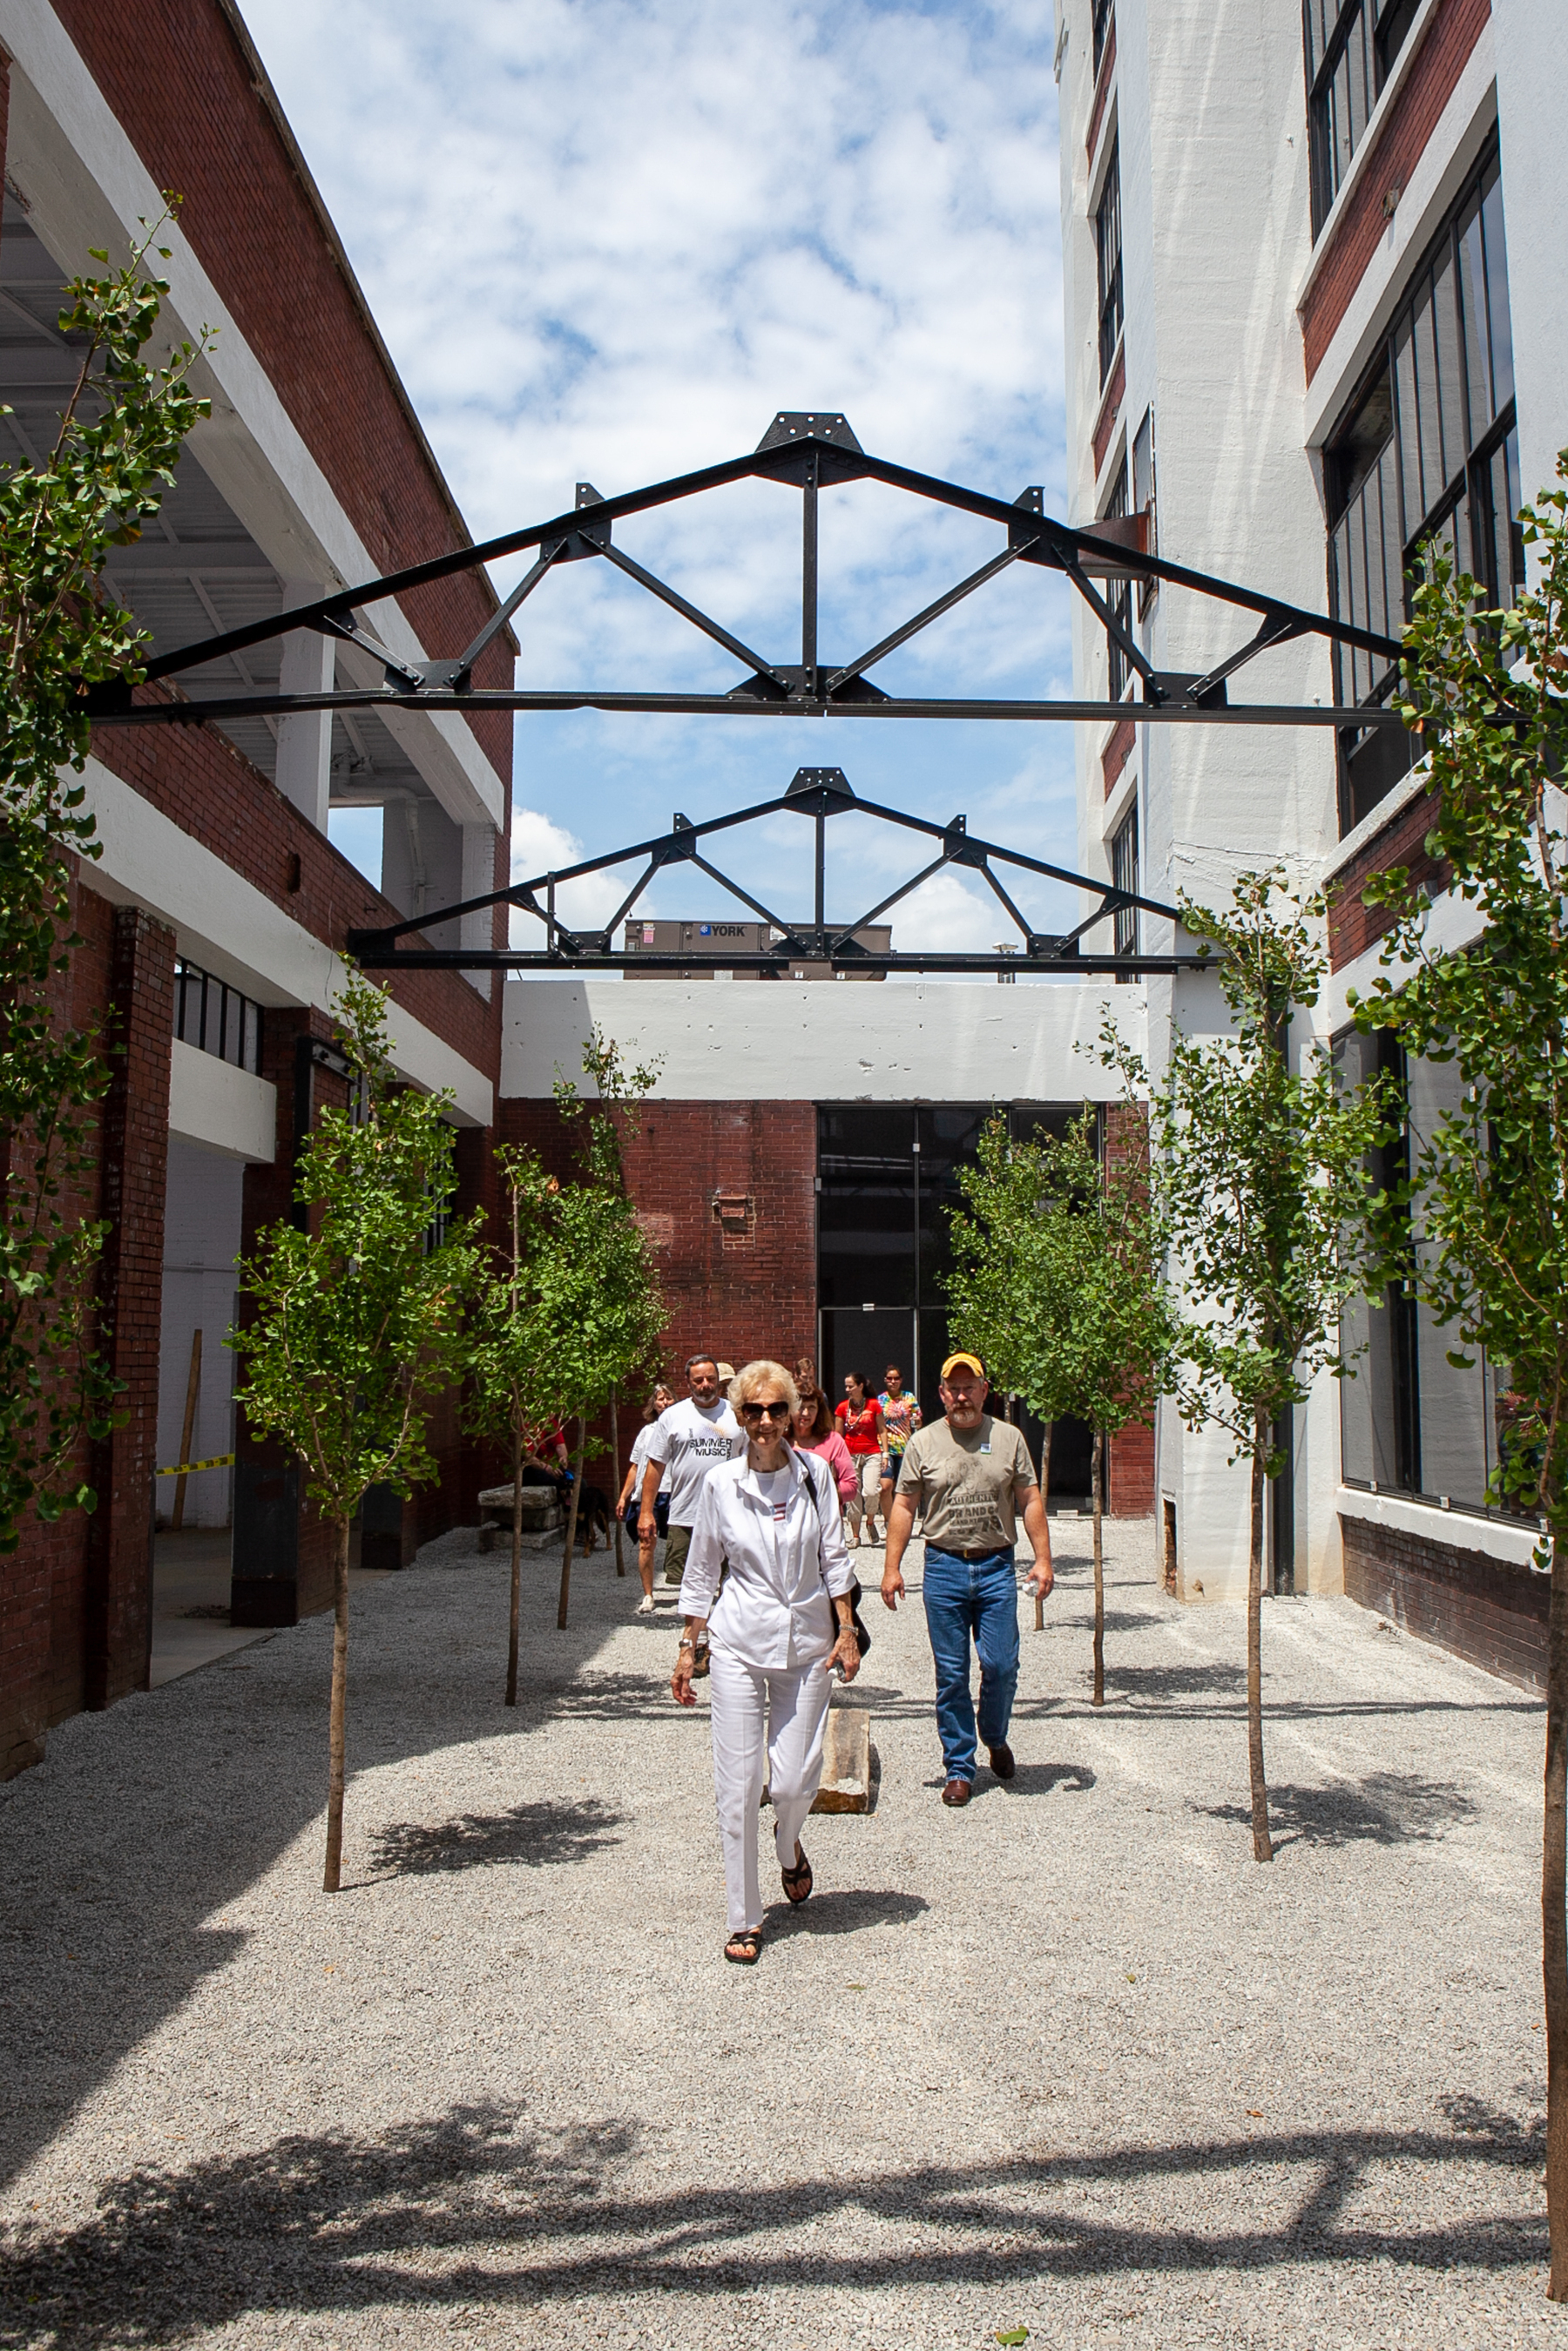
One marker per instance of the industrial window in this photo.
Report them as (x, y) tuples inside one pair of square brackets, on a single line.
[(1124, 874), (1412, 1421), (1143, 500), (1118, 591), (1108, 261), (216, 1018), (1104, 17), (1427, 451), (1350, 46)]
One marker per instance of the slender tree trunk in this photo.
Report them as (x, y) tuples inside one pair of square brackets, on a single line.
[(1263, 1844), (1097, 1475), (516, 1566), (572, 1525), (1045, 1505), (615, 1477), (1553, 1927), (333, 1876)]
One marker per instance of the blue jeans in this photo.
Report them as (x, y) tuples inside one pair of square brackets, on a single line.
[(978, 1597)]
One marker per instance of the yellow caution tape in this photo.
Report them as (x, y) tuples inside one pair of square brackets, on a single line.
[(187, 1468)]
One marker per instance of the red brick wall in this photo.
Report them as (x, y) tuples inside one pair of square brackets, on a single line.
[(1353, 927), (1130, 1469), (1412, 119), (1130, 1476), (195, 776), (1459, 1599), (133, 1131), (188, 91), (750, 1293)]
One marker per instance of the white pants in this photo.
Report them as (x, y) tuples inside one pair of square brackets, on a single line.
[(867, 1503), (793, 1706)]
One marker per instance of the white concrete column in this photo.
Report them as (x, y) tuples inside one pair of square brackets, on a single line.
[(305, 743), (478, 876)]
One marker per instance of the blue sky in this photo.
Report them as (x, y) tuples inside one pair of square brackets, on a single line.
[(608, 242)]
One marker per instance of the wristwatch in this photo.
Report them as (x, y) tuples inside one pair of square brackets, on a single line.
[(686, 1644)]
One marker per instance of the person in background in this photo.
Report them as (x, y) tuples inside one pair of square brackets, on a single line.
[(900, 1419), (547, 1462), (631, 1503), (815, 1433), (726, 1373), (778, 1624), (859, 1425), (687, 1441), (968, 1475)]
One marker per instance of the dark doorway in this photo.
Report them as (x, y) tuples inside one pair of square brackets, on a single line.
[(887, 1181)]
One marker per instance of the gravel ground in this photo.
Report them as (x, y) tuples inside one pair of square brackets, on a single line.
[(1067, 2060)]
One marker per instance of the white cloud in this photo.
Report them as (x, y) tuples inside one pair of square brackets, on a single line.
[(540, 845), (606, 241)]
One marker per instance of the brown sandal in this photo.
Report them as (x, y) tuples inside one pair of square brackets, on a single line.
[(743, 1950), (798, 1881)]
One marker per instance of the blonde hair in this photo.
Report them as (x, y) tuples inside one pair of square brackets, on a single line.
[(763, 1372)]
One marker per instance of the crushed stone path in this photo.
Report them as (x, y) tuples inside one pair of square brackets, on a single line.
[(1068, 2060)]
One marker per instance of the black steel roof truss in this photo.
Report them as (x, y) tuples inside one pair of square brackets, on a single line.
[(817, 793), (808, 451)]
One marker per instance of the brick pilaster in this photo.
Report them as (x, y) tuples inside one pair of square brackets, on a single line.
[(134, 1131)]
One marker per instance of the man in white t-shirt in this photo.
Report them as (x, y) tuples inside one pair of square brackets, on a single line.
[(687, 1440)]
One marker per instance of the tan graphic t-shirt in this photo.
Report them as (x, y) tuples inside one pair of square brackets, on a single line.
[(962, 1483)]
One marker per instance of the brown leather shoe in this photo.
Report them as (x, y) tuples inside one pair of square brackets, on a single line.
[(957, 1792), (1001, 1758)]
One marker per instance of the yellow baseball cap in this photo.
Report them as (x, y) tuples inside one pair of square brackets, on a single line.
[(964, 1362)]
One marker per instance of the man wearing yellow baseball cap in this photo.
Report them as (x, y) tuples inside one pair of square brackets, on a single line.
[(968, 1476)]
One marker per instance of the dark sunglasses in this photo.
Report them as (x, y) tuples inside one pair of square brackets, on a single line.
[(765, 1411)]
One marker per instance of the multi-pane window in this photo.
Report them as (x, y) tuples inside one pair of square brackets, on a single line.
[(1427, 451), (1412, 1420), (216, 1018), (1350, 47), (1104, 17), (1143, 500), (1118, 591), (1108, 261), (1124, 874)]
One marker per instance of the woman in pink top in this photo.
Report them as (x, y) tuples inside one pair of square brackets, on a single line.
[(815, 1433)]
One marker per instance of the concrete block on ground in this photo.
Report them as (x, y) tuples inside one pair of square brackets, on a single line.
[(846, 1763), (541, 1512)]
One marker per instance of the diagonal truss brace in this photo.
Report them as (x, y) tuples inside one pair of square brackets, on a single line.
[(820, 794), (808, 451)]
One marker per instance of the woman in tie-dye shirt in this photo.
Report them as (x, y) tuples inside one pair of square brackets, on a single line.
[(900, 1419)]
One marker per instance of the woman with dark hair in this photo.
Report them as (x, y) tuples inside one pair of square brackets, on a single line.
[(630, 1503), (815, 1433), (859, 1425)]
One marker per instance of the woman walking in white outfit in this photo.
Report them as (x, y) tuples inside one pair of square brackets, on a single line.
[(781, 1622)]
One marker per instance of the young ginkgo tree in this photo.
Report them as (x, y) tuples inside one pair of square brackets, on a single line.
[(356, 1323)]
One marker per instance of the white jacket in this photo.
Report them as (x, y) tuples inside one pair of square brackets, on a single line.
[(774, 1611)]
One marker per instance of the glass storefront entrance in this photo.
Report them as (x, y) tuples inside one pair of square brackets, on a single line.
[(887, 1180)]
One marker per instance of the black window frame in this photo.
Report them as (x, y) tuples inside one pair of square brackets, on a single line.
[(1108, 261), (1118, 592), (1103, 19), (1348, 48), (1124, 874), (1444, 344), (216, 1018), (1145, 480)]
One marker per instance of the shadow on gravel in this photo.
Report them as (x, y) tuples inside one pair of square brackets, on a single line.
[(1385, 1808), (534, 1834), (1154, 1684), (1044, 1778), (847, 1912), (479, 2208)]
